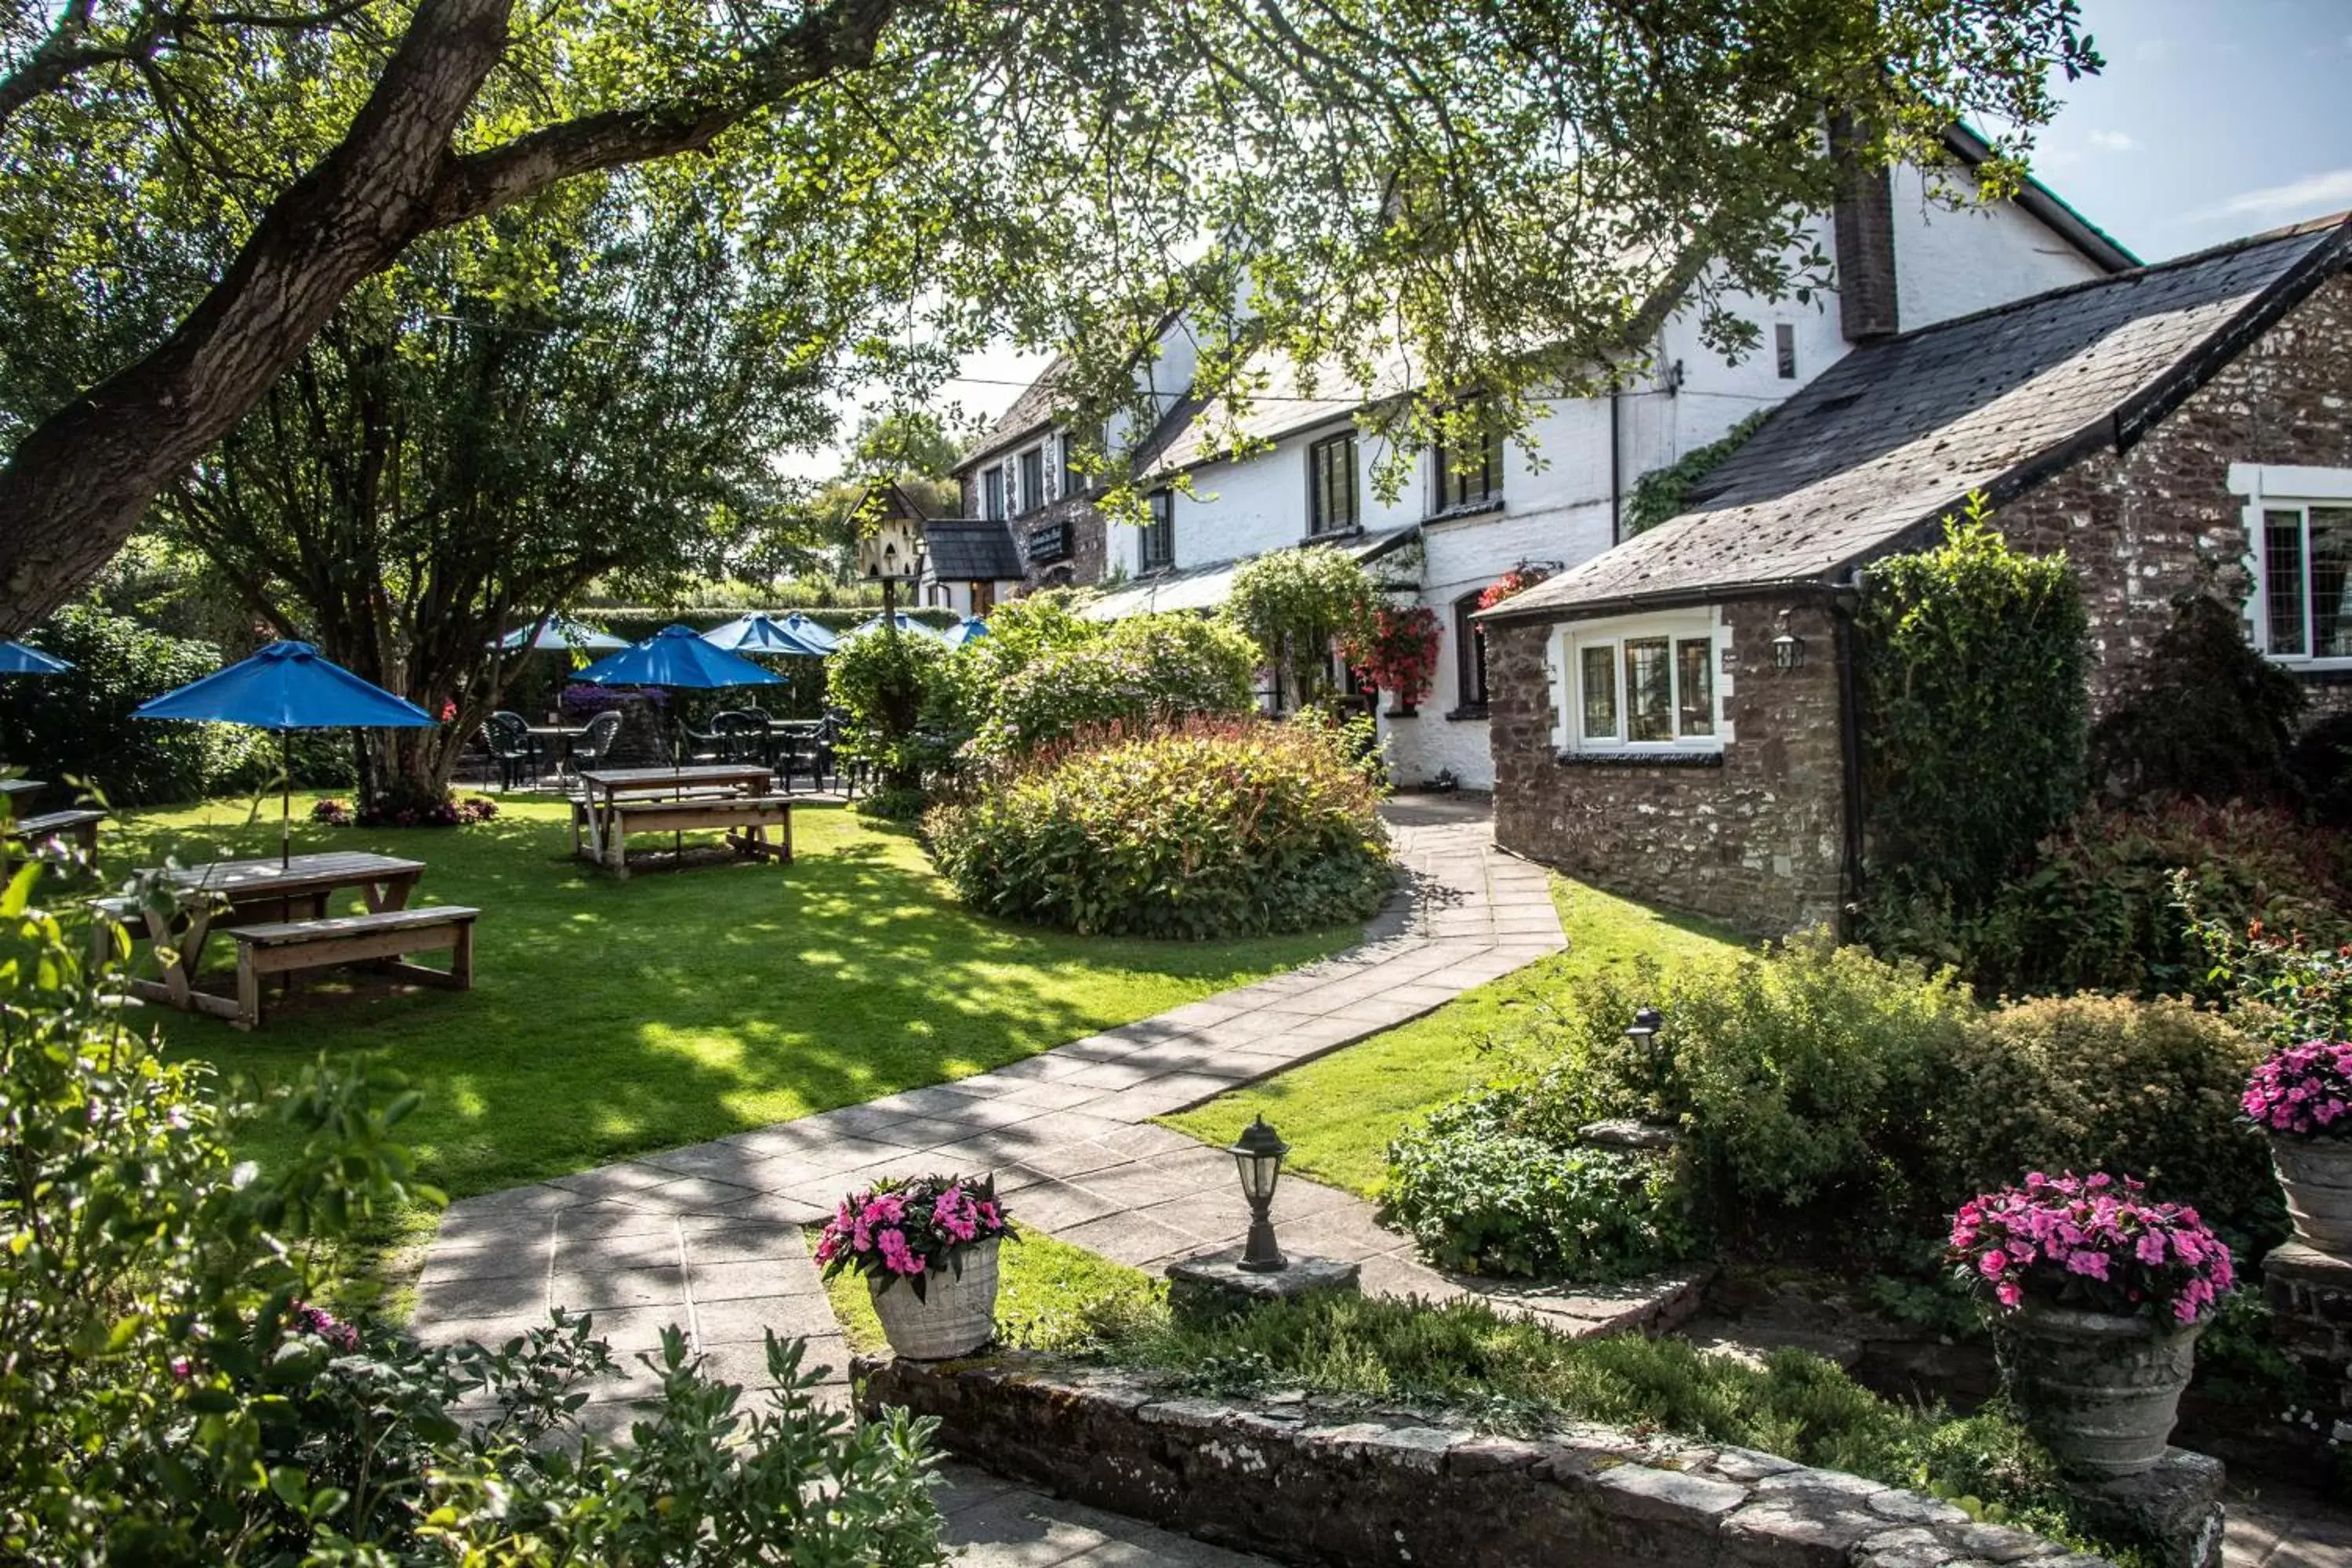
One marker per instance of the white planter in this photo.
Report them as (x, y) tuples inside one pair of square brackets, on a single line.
[(956, 1316), (2316, 1176)]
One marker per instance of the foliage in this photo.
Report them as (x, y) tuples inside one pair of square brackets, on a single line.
[(332, 813), (911, 1229), (2302, 1090), (1142, 669), (170, 1398), (2100, 909), (1294, 604), (2206, 716), (2279, 986), (78, 725), (2322, 762), (1658, 494), (883, 681), (1211, 828), (1511, 584), (1398, 653), (1973, 713), (1464, 1357), (2087, 1083), (1483, 1196), (1050, 1296), (2092, 1242)]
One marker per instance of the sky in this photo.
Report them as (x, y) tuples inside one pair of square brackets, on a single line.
[(2213, 119)]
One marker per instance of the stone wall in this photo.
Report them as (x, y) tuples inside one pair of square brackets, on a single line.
[(1085, 562), (2158, 522), (1313, 1484), (1756, 841)]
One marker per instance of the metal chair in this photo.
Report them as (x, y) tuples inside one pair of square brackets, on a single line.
[(509, 739), (595, 741)]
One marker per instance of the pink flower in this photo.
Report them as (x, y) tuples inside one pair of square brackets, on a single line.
[(1992, 1264), (2010, 1294), (895, 1257), (2149, 1250)]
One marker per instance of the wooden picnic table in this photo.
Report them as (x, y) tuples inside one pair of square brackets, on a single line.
[(18, 790), (246, 892), (731, 795)]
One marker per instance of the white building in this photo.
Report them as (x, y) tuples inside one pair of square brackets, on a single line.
[(1553, 501)]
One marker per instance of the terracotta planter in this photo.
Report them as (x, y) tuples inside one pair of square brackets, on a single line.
[(2102, 1391), (2316, 1174), (956, 1316)]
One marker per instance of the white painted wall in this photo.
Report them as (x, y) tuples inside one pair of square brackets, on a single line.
[(1950, 262)]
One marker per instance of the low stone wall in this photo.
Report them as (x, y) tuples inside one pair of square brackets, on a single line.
[(1308, 1484)]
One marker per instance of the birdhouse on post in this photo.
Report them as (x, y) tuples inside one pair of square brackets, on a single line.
[(890, 543)]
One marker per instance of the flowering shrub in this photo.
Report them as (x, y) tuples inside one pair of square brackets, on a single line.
[(911, 1230), (480, 808), (1398, 654), (2304, 1089), (583, 700), (2279, 986), (2090, 1242), (333, 813), (1517, 580)]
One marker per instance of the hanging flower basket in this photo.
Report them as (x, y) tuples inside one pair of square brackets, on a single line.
[(2301, 1098), (927, 1250), (2102, 1296), (1398, 655)]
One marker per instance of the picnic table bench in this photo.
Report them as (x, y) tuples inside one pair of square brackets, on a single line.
[(732, 796), (385, 938), (79, 824)]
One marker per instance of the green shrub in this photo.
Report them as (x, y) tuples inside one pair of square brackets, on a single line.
[(1799, 1078), (1975, 716), (885, 682), (2100, 911), (1145, 668), (168, 1396), (2322, 760), (1482, 1195), (78, 725), (2206, 716), (1209, 828), (2280, 987), (2105, 1083), (1295, 603)]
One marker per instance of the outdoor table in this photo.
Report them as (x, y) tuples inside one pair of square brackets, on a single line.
[(601, 808), (234, 892), (19, 791), (553, 743)]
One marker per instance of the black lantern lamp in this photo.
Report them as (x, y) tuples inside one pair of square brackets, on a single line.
[(1788, 648), (1644, 1032), (1258, 1153)]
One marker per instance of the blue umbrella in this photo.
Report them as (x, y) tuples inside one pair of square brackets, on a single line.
[(676, 657), (284, 688), (760, 633), (16, 659), (814, 632), (560, 635), (902, 622), (971, 629)]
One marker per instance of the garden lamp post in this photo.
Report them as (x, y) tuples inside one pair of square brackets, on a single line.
[(1644, 1032), (1258, 1153)]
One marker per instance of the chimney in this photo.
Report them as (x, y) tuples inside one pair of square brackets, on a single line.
[(1863, 224)]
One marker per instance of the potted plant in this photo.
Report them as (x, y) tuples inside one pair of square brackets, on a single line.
[(928, 1249), (1396, 654), (2300, 1098), (2102, 1295)]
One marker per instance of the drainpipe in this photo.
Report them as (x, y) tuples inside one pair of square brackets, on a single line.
[(1616, 465), (1844, 598)]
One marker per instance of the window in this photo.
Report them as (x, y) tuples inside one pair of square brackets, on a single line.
[(1469, 659), (991, 494), (1471, 475), (1331, 485), (1074, 483), (2300, 523), (1647, 684), (1159, 533), (1784, 350), (1033, 479)]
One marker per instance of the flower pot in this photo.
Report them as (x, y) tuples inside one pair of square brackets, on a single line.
[(2101, 1390), (2316, 1174), (956, 1316)]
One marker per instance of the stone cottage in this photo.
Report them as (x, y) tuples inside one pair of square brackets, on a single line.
[(1673, 719)]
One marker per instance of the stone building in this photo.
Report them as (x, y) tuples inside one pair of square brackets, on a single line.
[(1903, 257), (2176, 429)]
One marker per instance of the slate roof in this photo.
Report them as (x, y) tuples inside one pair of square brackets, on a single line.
[(1868, 458), (970, 550), (1206, 586), (1032, 411)]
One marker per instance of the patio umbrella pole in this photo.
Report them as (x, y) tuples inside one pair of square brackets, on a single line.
[(285, 799)]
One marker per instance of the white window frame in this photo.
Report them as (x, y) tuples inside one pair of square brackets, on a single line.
[(1567, 660), (2269, 487)]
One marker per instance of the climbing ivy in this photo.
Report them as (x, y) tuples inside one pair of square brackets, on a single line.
[(1658, 494), (1975, 716)]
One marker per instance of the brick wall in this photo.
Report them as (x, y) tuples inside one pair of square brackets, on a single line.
[(2160, 522), (1757, 842)]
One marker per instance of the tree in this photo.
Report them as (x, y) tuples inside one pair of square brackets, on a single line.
[(466, 446), (1294, 605), (1499, 195)]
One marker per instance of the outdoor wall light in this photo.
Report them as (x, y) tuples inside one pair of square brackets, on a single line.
[(1788, 648), (1258, 1153), (1644, 1032)]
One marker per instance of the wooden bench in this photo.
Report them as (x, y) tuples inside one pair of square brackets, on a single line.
[(745, 817), (384, 940), (80, 824)]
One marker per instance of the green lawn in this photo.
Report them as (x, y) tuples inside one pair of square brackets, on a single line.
[(613, 1018), (1050, 1294), (1340, 1112)]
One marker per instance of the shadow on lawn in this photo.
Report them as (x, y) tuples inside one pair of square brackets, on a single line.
[(614, 1019)]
